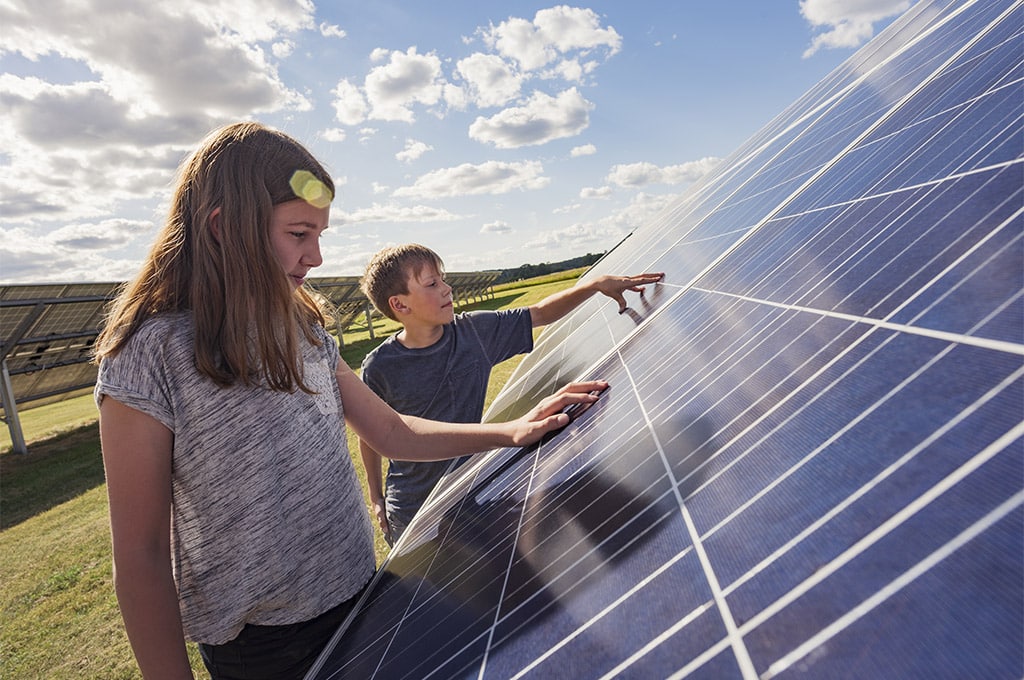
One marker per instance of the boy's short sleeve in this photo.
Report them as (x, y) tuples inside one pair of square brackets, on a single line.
[(503, 333)]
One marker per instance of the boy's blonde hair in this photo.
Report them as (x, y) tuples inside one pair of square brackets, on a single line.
[(390, 269), (230, 280)]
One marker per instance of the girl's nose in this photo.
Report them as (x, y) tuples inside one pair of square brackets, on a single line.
[(312, 256)]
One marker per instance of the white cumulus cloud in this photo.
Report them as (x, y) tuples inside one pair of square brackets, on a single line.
[(541, 119), (331, 31), (491, 177), (553, 32), (847, 23), (394, 213), (641, 174), (496, 227), (75, 148), (413, 150), (408, 78), (596, 192), (490, 79)]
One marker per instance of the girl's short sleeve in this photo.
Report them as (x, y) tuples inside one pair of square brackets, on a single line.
[(137, 375)]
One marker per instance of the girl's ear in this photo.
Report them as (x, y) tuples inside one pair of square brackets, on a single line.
[(396, 304), (215, 224)]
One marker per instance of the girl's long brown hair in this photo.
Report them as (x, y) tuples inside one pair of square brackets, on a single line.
[(246, 315)]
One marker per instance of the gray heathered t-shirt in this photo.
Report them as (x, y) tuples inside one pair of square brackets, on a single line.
[(268, 520), (446, 381)]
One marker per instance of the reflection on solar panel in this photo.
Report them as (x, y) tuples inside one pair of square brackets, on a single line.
[(810, 460)]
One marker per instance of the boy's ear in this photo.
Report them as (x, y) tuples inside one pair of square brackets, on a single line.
[(396, 304), (215, 224)]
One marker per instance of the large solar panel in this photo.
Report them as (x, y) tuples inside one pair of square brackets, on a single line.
[(810, 460)]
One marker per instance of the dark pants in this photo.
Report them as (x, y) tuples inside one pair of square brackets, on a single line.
[(274, 652), (397, 527)]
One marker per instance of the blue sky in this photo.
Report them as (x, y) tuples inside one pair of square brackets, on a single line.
[(496, 133)]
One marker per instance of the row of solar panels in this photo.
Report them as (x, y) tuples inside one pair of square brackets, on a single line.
[(350, 305), (47, 331)]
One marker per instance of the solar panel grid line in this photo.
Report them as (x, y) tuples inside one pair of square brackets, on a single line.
[(468, 568), (994, 448), (931, 186), (581, 561), (858, 548), (793, 396), (682, 401), (610, 609), (736, 642), (874, 482), (518, 378), (960, 338), (953, 264), (11, 340), (933, 195), (508, 570), (568, 588), (863, 414), (838, 625), (781, 264)]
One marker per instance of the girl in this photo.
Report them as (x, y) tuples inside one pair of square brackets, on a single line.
[(236, 517)]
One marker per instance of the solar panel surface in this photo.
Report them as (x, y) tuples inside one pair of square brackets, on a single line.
[(810, 461)]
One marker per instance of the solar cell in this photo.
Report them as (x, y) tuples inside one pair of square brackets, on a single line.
[(810, 461)]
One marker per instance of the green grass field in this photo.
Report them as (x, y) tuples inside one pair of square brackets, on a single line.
[(59, 614)]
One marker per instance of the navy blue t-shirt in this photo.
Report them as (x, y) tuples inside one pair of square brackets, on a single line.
[(446, 381)]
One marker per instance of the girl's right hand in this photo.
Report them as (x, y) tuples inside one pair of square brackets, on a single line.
[(548, 414)]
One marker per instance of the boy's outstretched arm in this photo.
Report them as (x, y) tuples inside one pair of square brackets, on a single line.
[(554, 307)]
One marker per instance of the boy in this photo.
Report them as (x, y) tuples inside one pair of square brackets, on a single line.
[(439, 364)]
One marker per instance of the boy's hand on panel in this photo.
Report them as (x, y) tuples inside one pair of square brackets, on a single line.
[(615, 286)]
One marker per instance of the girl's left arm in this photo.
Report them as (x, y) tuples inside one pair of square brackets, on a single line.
[(137, 453), (409, 438)]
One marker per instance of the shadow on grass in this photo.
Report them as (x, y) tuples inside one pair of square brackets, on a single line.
[(54, 470)]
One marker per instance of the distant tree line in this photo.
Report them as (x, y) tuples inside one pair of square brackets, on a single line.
[(528, 271)]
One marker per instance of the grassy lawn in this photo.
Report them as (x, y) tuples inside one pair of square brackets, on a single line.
[(58, 613)]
